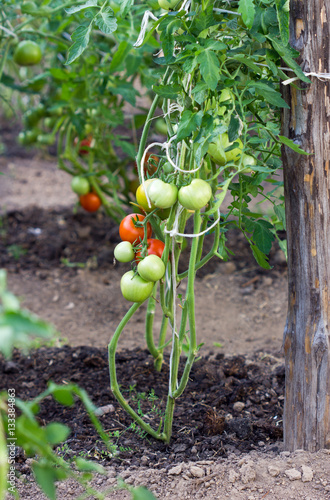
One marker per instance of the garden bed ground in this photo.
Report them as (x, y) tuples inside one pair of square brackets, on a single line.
[(218, 450)]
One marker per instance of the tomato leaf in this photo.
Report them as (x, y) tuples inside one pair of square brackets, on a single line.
[(260, 257), (189, 122), (120, 55), (289, 142), (286, 55), (209, 68), (106, 21), (88, 466), (46, 475), (125, 7), (269, 94), (247, 9), (283, 16), (82, 6), (81, 39), (141, 493), (233, 128), (262, 236), (280, 212), (56, 433), (167, 91)]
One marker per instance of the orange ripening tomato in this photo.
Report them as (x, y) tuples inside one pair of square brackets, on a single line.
[(128, 231), (150, 164), (90, 202), (155, 247)]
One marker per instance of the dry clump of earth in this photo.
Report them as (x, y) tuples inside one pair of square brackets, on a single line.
[(228, 430)]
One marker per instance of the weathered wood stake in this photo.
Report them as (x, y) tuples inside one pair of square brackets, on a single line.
[(307, 195)]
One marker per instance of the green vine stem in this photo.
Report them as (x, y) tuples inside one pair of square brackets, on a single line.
[(112, 347), (147, 125), (150, 316)]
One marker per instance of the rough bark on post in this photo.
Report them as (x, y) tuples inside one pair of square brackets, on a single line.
[(307, 195)]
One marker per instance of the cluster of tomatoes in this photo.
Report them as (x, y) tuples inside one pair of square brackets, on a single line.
[(89, 200), (137, 286)]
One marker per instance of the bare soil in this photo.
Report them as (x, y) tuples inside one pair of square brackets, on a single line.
[(216, 452)]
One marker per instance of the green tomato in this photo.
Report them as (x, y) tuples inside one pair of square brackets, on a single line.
[(80, 185), (151, 268), (196, 195), (160, 126), (134, 288), (124, 252), (27, 53), (167, 4), (248, 163), (28, 7), (162, 194), (141, 197), (47, 139), (168, 168), (32, 116), (28, 137), (217, 150)]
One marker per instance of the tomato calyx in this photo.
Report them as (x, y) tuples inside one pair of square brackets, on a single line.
[(153, 247)]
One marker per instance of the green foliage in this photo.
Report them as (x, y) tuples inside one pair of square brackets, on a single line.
[(18, 327), (77, 94), (222, 104)]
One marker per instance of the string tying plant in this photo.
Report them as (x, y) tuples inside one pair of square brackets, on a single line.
[(221, 103)]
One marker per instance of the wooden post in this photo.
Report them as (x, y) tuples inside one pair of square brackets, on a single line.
[(307, 195)]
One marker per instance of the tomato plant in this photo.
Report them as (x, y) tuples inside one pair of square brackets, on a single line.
[(83, 107), (90, 202), (132, 230), (221, 105)]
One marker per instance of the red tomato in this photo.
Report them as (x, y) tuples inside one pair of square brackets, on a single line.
[(150, 164), (84, 145), (90, 202), (155, 247), (128, 230)]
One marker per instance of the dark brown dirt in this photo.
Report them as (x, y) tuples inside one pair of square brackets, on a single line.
[(35, 238), (206, 423)]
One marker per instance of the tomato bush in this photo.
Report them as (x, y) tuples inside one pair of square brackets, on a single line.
[(221, 105), (75, 100)]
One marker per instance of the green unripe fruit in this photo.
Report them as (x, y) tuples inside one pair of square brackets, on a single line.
[(80, 185), (124, 252), (27, 53), (151, 268)]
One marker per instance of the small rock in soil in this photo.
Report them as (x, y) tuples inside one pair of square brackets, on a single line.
[(293, 474), (307, 474)]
